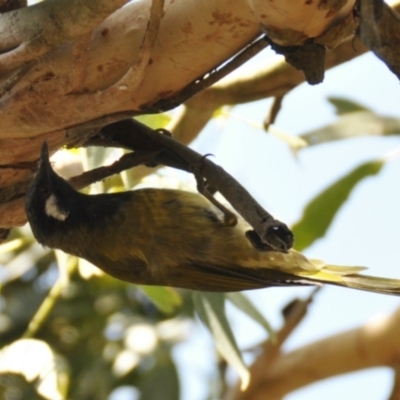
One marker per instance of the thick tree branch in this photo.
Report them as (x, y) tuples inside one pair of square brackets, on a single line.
[(28, 33), (178, 53), (134, 77), (293, 313), (131, 81), (372, 345)]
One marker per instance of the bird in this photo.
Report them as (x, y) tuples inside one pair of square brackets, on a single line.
[(170, 237)]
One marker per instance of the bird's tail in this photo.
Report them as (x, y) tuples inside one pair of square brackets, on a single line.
[(350, 277), (317, 271)]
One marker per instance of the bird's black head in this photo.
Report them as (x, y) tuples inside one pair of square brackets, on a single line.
[(48, 200)]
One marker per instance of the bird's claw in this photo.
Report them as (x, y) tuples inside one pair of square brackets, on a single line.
[(203, 188), (278, 237)]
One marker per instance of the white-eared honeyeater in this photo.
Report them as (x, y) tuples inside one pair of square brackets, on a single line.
[(170, 237)]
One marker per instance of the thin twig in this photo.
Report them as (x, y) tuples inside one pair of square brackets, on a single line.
[(273, 112), (207, 80), (50, 300), (270, 231), (127, 161)]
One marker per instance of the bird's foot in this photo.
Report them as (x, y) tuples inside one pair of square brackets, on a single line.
[(278, 237), (208, 192)]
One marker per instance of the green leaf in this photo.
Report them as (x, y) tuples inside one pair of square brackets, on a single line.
[(166, 299), (67, 264), (162, 381), (155, 121), (344, 106), (319, 213), (211, 309), (93, 157), (353, 125), (243, 303), (222, 112), (295, 143), (12, 245)]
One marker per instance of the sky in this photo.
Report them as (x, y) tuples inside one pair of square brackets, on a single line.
[(365, 231)]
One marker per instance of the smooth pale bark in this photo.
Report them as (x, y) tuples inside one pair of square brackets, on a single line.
[(67, 76), (194, 37), (375, 344)]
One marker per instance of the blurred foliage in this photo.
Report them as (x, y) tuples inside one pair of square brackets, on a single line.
[(354, 120), (68, 331), (100, 327), (211, 310)]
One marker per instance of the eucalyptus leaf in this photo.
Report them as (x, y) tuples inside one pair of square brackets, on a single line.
[(242, 302), (162, 381), (155, 121), (166, 299), (12, 245), (211, 309), (353, 125), (222, 112), (94, 157), (344, 106), (319, 213), (296, 143), (12, 248)]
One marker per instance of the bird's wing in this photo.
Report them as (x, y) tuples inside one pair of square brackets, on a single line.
[(234, 278), (214, 278)]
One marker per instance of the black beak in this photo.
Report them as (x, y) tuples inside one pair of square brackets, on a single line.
[(45, 166), (44, 154)]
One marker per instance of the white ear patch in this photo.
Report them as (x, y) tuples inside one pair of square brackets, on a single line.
[(52, 209)]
